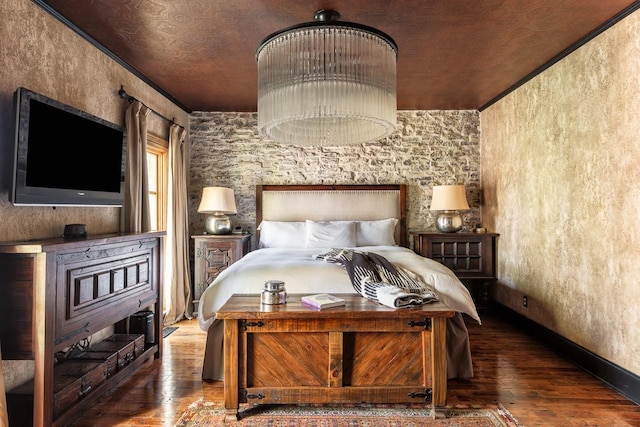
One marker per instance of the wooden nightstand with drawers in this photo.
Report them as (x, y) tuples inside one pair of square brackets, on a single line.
[(471, 256), (212, 255)]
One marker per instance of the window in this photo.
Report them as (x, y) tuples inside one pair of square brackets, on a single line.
[(159, 198), (158, 172)]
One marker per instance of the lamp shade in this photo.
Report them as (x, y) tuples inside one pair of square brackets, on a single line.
[(217, 200), (449, 198), (327, 82)]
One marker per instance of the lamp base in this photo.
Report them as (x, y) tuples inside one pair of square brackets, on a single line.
[(217, 224), (449, 222)]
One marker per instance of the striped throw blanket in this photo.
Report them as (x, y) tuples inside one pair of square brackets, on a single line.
[(375, 278)]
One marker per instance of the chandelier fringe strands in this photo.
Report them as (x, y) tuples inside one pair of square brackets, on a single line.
[(327, 82)]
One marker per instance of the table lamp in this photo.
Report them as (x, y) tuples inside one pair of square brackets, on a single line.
[(448, 199), (219, 202)]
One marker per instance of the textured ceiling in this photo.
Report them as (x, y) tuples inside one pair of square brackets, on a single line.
[(453, 54)]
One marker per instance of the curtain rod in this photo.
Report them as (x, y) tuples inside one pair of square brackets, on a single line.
[(124, 95)]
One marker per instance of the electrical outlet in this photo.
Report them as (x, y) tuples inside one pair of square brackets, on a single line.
[(525, 301)]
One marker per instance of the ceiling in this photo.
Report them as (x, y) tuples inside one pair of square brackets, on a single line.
[(453, 54)]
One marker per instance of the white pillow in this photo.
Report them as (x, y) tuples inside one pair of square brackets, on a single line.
[(282, 234), (376, 233), (331, 234)]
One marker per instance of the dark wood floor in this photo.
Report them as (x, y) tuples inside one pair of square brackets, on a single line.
[(538, 387)]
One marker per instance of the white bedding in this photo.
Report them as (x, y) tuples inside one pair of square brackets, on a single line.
[(304, 274)]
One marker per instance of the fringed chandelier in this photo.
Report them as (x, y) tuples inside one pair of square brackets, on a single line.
[(327, 82)]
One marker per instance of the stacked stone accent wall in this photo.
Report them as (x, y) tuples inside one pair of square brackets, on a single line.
[(429, 148)]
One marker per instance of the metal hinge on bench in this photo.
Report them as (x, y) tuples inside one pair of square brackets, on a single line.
[(244, 324), (426, 323), (427, 394), (252, 396)]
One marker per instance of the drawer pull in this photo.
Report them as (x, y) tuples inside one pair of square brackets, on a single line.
[(426, 323), (427, 394), (82, 393)]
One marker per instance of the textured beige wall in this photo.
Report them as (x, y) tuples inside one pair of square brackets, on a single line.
[(561, 174), (429, 148), (42, 54)]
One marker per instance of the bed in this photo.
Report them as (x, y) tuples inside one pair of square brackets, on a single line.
[(295, 223)]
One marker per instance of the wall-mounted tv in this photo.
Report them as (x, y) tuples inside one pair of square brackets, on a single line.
[(64, 156)]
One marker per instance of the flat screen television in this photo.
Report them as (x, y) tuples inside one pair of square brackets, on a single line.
[(64, 156)]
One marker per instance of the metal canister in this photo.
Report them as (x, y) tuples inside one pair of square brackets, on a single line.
[(273, 292)]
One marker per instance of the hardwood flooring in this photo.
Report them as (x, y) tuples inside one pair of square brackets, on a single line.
[(536, 385)]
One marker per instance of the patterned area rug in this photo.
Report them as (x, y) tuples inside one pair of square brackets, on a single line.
[(209, 414)]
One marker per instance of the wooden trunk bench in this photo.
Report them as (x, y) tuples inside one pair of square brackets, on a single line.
[(362, 352)]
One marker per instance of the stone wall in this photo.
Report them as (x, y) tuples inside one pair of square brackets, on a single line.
[(429, 148)]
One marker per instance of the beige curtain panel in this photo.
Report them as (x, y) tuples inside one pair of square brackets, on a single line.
[(179, 286), (136, 202)]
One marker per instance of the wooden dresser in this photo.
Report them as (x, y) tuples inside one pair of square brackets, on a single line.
[(471, 256), (55, 293), (213, 254)]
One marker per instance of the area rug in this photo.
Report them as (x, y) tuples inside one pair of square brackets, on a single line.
[(210, 414)]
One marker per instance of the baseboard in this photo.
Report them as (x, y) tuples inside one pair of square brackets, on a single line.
[(625, 382)]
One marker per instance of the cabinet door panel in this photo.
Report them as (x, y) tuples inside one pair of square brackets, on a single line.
[(287, 359), (212, 255), (471, 257), (384, 359), (93, 290)]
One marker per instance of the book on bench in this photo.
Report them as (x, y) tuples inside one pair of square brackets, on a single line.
[(323, 301)]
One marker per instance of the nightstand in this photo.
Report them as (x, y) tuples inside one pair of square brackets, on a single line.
[(471, 256), (213, 254)]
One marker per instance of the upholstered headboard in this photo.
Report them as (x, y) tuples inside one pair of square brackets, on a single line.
[(333, 202)]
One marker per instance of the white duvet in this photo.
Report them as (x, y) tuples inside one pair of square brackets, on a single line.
[(304, 274)]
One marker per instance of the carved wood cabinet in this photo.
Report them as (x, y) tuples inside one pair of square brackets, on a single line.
[(212, 255), (56, 293), (471, 256)]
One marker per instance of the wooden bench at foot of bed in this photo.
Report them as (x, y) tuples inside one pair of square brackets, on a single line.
[(362, 352)]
